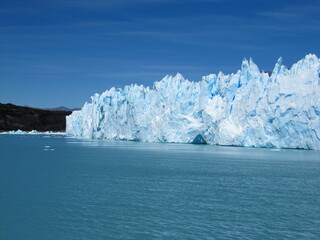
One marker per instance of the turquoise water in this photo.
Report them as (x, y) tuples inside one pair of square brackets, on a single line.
[(128, 190)]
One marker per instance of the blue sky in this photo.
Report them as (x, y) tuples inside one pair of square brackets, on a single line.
[(61, 52)]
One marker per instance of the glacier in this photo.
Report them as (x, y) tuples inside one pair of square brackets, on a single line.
[(247, 108)]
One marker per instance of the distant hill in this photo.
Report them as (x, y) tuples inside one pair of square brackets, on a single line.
[(62, 108), (14, 117)]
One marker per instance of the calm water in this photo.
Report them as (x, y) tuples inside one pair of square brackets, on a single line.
[(128, 190)]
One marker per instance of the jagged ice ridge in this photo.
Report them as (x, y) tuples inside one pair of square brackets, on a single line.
[(248, 108)]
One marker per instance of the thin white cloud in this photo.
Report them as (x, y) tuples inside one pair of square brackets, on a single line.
[(127, 74), (99, 5), (297, 12), (278, 15)]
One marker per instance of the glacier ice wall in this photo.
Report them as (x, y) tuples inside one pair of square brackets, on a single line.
[(248, 108)]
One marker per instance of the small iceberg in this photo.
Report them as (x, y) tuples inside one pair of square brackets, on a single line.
[(48, 148)]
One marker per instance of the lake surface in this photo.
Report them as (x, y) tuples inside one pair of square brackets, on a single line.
[(129, 190)]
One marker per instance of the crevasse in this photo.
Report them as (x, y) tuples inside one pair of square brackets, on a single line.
[(248, 108)]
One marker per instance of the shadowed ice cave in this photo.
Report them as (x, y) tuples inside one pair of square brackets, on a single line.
[(199, 139)]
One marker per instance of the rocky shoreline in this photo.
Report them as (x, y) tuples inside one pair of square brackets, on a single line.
[(26, 119)]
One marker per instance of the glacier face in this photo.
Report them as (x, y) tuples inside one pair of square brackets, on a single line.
[(248, 108)]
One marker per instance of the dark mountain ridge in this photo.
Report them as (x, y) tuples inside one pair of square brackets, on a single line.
[(13, 117)]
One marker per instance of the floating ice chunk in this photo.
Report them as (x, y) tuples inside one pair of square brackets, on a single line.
[(33, 132)]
